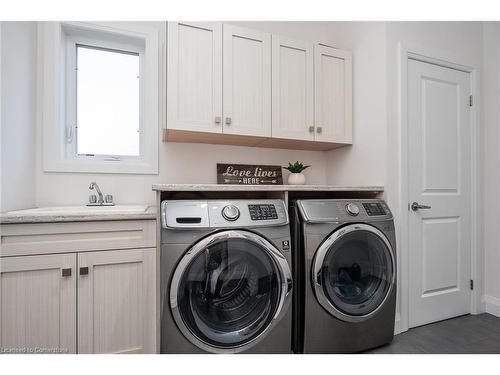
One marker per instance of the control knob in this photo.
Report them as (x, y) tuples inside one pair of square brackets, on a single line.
[(230, 212), (352, 209)]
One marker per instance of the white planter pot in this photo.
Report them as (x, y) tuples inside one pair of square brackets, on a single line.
[(296, 179)]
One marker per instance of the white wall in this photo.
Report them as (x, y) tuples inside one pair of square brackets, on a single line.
[(491, 165), (18, 56), (365, 162)]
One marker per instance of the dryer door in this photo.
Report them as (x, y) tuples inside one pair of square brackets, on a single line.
[(228, 291), (353, 272)]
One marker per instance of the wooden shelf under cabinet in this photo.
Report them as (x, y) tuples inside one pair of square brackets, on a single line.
[(173, 135)]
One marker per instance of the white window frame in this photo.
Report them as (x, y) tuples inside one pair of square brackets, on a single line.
[(57, 61)]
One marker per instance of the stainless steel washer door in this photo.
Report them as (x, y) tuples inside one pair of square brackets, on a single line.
[(353, 272), (229, 290)]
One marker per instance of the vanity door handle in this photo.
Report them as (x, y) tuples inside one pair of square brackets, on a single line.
[(311, 129), (66, 272), (319, 129), (84, 271)]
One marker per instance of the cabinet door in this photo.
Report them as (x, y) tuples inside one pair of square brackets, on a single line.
[(194, 76), (38, 304), (116, 301), (292, 89), (247, 81), (333, 94)]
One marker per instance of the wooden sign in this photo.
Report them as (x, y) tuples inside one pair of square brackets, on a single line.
[(244, 174)]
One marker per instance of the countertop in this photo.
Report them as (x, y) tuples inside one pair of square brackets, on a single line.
[(216, 187), (78, 213)]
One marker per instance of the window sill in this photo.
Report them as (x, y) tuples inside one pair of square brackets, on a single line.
[(101, 166)]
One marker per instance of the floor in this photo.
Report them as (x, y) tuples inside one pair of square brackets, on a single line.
[(474, 334)]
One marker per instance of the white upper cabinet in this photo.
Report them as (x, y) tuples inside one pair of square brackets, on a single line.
[(332, 95), (38, 303), (232, 85), (247, 81), (292, 89), (194, 76)]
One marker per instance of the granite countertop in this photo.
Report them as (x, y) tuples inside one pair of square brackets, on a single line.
[(216, 187), (78, 213)]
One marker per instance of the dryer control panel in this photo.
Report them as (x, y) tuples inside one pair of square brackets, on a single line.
[(343, 210)]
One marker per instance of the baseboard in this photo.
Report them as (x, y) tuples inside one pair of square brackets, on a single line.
[(492, 305), (397, 327)]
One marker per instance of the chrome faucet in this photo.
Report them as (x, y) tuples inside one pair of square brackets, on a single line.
[(93, 201), (93, 185)]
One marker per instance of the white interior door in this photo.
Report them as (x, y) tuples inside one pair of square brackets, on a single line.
[(38, 303), (292, 89), (332, 94), (194, 76), (116, 301), (439, 134), (247, 81)]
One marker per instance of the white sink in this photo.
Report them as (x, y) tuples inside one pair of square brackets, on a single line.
[(80, 210)]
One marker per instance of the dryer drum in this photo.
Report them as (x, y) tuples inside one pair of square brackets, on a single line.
[(356, 273)]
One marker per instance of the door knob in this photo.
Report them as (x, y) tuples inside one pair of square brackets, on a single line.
[(228, 120), (218, 120), (416, 206), (319, 129), (311, 129)]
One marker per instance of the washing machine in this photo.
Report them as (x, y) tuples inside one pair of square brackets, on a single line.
[(226, 281), (345, 269)]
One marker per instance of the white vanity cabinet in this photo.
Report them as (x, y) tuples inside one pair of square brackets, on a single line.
[(38, 304), (116, 301), (78, 287)]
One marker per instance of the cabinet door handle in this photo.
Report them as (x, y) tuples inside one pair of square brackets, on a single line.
[(66, 272), (228, 120), (311, 129), (319, 129), (218, 119), (84, 271)]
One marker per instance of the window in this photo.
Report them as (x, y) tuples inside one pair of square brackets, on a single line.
[(107, 102), (107, 98)]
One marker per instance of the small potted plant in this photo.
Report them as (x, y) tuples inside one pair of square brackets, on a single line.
[(296, 177)]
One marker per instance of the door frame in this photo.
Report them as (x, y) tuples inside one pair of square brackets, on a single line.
[(406, 53)]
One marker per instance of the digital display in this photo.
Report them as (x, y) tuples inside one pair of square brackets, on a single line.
[(262, 211), (374, 209)]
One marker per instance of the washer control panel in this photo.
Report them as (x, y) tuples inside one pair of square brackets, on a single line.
[(221, 213), (374, 209), (262, 212)]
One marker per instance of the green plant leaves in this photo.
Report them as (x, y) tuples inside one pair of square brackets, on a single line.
[(296, 167)]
